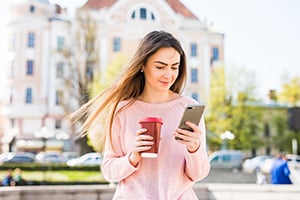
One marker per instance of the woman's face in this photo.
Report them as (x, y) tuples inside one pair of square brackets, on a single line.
[(161, 70)]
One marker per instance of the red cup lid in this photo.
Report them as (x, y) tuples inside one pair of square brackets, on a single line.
[(152, 119)]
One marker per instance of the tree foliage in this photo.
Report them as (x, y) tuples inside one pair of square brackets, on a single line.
[(290, 92), (290, 95), (256, 125), (229, 110), (102, 82), (83, 62), (218, 108)]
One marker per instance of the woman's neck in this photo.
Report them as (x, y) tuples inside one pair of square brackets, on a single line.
[(158, 98)]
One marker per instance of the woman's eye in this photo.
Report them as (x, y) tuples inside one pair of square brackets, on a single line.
[(159, 67)]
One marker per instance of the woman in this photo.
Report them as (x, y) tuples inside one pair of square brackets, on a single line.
[(150, 86)]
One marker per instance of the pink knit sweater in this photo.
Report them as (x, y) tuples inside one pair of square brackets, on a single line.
[(168, 177)]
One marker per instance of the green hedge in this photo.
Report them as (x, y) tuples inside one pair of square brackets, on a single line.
[(40, 167)]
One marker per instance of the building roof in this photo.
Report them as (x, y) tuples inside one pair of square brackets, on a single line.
[(99, 4), (176, 5)]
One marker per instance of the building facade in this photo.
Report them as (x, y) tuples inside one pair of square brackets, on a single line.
[(38, 32), (37, 91), (122, 24)]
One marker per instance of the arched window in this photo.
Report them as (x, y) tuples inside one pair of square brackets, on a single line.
[(143, 13)]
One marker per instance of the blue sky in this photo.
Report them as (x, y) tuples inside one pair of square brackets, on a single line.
[(262, 36)]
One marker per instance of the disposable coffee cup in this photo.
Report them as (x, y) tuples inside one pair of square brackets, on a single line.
[(153, 126)]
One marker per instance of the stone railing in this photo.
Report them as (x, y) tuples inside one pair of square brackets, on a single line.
[(105, 192)]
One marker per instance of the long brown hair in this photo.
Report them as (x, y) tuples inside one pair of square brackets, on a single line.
[(129, 84)]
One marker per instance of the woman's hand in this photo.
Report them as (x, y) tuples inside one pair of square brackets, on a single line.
[(142, 143), (192, 139)]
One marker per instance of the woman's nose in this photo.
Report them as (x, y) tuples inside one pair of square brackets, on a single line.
[(168, 73)]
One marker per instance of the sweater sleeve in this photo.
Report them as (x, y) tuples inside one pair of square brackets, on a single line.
[(197, 163), (116, 165)]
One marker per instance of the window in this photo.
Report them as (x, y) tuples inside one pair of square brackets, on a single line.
[(195, 96), (60, 43), (226, 158), (215, 159), (215, 54), (32, 9), (194, 50), (57, 124), (152, 17), (30, 42), (133, 15), (143, 14), (59, 97), (117, 44), (60, 70), (28, 97), (29, 67), (194, 75)]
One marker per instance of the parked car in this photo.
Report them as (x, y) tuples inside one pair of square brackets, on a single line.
[(17, 157), (226, 159), (86, 159), (3, 157), (254, 164), (49, 157), (68, 155)]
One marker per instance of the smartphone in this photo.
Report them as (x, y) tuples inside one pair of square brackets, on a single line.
[(192, 113)]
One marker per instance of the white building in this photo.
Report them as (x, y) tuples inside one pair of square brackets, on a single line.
[(40, 32)]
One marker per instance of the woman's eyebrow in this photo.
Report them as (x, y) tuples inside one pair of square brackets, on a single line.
[(162, 63)]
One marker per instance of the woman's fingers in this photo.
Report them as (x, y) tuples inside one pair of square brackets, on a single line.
[(188, 135), (193, 126), (143, 141), (185, 135), (142, 144), (141, 131), (192, 139)]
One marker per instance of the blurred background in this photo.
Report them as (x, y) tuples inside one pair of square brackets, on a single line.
[(242, 64)]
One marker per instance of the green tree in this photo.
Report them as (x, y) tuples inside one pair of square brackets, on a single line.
[(290, 92), (219, 106), (101, 82), (245, 115), (246, 124), (282, 138), (83, 62), (230, 108)]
